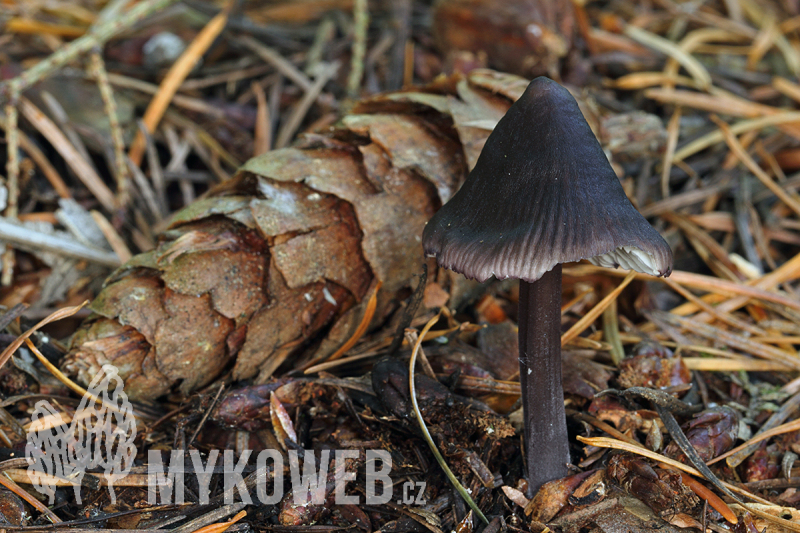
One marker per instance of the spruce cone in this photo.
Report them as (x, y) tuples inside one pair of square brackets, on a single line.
[(257, 269)]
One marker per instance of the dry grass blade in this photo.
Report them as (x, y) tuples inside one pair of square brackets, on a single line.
[(224, 526), (724, 104), (328, 365), (745, 158), (58, 315), (71, 385), (179, 100), (763, 42), (117, 243), (712, 499), (673, 130), (199, 523), (731, 339), (489, 385), (764, 17), (68, 382), (788, 427), (758, 290), (692, 65), (288, 129), (33, 27), (720, 221), (710, 139), (717, 364), (683, 199), (276, 60), (614, 444), (638, 449), (11, 485), (172, 81), (643, 80), (787, 88), (596, 311), (715, 103), (788, 271), (83, 170), (18, 475), (693, 40), (723, 317), (709, 250)]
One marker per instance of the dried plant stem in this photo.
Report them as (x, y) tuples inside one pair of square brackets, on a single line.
[(12, 177), (361, 19), (30, 239), (97, 37), (122, 174), (41, 160)]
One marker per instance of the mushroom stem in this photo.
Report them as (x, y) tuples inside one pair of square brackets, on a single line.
[(546, 442)]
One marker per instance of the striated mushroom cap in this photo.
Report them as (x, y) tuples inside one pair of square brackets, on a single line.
[(542, 193)]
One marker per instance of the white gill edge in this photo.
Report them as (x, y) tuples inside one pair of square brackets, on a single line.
[(628, 257)]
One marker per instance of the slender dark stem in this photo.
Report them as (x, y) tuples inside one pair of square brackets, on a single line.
[(546, 443)]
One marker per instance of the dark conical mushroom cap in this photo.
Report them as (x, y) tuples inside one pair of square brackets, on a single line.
[(542, 193)]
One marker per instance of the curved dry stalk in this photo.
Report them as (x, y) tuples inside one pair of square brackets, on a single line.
[(426, 434)]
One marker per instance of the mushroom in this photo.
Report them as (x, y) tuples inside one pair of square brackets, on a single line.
[(542, 193)]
